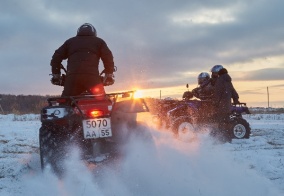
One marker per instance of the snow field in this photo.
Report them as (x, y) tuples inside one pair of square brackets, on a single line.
[(169, 167)]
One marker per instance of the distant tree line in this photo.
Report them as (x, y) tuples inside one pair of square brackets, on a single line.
[(22, 104), (32, 104)]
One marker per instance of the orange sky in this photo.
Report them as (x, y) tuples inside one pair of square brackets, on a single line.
[(257, 98)]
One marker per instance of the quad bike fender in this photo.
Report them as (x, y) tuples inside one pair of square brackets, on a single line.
[(131, 106), (175, 111), (126, 111), (124, 115)]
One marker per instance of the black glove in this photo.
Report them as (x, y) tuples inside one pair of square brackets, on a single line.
[(56, 80), (108, 79), (187, 95)]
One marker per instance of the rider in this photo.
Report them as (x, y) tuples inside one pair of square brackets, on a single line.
[(204, 91), (223, 87), (223, 92), (83, 52)]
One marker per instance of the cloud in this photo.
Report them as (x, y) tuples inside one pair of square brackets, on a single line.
[(153, 42), (264, 75)]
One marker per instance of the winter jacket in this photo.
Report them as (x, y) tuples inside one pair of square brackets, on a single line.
[(83, 53), (223, 92), (204, 91)]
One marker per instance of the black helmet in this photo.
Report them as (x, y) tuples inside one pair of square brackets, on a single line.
[(216, 68), (202, 77), (87, 29)]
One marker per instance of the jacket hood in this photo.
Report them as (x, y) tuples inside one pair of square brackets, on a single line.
[(223, 73), (225, 77)]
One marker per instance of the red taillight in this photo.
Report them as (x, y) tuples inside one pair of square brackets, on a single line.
[(95, 113)]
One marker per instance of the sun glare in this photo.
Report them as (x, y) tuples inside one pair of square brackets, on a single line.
[(138, 94)]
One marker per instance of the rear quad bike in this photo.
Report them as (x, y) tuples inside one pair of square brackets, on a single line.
[(98, 126), (190, 116)]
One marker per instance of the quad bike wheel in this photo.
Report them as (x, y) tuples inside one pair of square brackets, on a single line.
[(240, 129), (52, 149), (183, 129)]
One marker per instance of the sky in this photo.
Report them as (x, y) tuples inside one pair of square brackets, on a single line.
[(158, 46)]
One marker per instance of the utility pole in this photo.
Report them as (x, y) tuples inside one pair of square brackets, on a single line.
[(1, 109), (160, 94), (268, 97), (0, 104)]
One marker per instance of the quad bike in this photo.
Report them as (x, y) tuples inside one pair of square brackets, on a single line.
[(160, 116), (191, 115), (97, 125)]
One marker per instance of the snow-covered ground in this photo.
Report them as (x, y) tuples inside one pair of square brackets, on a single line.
[(244, 167)]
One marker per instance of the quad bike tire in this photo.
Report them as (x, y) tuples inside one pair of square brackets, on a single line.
[(183, 129), (239, 129), (52, 149)]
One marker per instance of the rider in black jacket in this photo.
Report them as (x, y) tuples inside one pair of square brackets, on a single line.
[(83, 52), (224, 92)]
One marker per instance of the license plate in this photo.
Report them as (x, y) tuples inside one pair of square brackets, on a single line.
[(96, 128)]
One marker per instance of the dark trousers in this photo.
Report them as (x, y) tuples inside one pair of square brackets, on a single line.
[(77, 84)]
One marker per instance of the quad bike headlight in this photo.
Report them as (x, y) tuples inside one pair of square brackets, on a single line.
[(51, 113)]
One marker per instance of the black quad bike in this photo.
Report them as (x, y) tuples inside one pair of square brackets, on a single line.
[(97, 125), (189, 116)]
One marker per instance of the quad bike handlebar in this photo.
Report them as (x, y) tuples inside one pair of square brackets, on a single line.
[(240, 104), (62, 77)]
